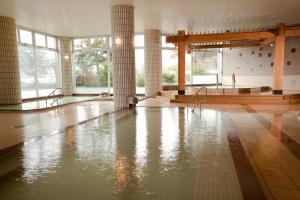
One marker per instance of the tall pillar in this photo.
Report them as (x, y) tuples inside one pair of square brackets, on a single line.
[(66, 65), (10, 86), (279, 59), (181, 64), (153, 66), (123, 53)]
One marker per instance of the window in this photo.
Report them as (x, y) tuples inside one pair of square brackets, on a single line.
[(25, 37), (201, 67), (139, 41), (139, 64), (169, 63), (27, 72), (47, 71), (39, 69), (51, 42), (206, 64), (140, 71), (92, 64), (169, 67), (40, 40)]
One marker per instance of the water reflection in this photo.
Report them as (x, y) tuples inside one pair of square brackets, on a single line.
[(141, 143), (125, 168), (147, 153), (42, 157), (96, 144), (169, 135)]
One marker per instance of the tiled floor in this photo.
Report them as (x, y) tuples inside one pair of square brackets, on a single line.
[(223, 152)]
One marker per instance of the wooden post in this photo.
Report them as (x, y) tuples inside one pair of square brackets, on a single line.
[(181, 63), (279, 59)]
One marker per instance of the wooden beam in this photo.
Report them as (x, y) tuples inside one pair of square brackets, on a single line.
[(279, 59), (220, 37), (181, 64), (266, 42), (249, 44), (292, 32)]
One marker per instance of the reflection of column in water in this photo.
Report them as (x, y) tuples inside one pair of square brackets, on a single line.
[(154, 128), (69, 137), (126, 180), (181, 126)]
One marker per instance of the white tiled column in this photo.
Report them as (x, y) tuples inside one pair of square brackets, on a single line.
[(123, 53), (10, 88), (153, 63), (66, 65)]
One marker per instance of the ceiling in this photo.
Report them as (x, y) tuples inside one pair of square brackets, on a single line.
[(79, 18)]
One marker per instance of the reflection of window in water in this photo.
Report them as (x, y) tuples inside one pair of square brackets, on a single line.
[(169, 135), (42, 157)]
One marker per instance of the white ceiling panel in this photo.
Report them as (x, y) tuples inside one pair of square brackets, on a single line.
[(92, 17)]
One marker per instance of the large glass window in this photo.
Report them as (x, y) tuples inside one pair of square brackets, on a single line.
[(201, 67), (27, 72), (47, 71), (39, 69), (169, 67), (25, 37), (140, 71), (206, 65), (139, 64), (92, 62), (93, 65), (40, 40)]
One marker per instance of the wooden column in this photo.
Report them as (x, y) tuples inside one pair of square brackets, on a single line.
[(181, 63), (279, 59)]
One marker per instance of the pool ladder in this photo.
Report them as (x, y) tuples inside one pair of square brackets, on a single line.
[(55, 99), (198, 101)]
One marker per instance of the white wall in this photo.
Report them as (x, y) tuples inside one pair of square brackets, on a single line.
[(253, 66), (290, 82)]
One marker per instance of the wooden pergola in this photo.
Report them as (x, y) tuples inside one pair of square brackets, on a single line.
[(233, 40)]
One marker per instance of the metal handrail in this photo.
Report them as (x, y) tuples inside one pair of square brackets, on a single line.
[(233, 80), (196, 95), (52, 95)]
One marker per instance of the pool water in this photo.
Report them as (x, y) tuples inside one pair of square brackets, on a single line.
[(41, 104), (146, 153)]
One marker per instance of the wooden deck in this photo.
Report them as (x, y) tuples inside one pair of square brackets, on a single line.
[(259, 98)]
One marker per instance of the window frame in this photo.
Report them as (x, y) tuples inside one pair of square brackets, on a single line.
[(35, 48), (107, 48)]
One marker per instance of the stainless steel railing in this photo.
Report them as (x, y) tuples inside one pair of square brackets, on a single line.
[(199, 101), (233, 80), (54, 99)]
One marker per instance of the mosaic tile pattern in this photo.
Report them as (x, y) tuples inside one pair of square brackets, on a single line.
[(10, 88), (66, 65), (153, 62), (123, 52)]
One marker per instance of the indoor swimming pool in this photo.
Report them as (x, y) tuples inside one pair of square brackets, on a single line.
[(144, 153), (41, 104)]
